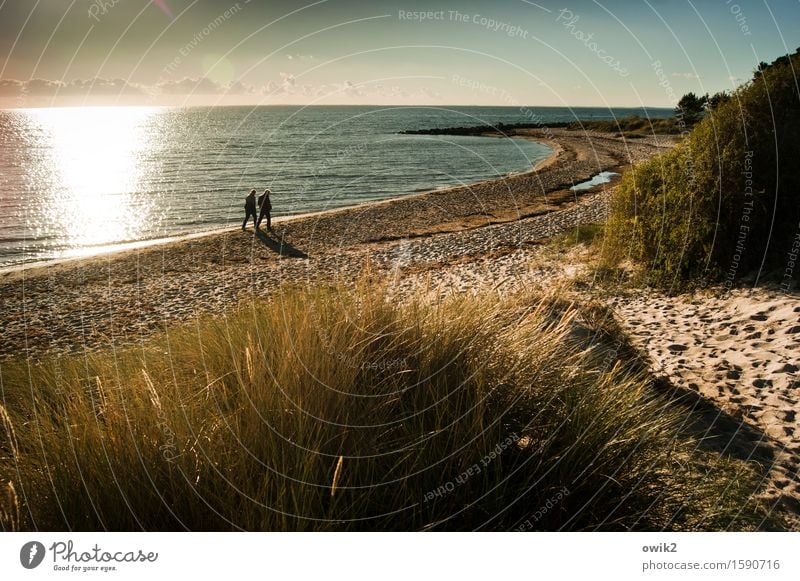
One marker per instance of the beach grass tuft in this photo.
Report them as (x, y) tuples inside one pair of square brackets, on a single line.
[(343, 409)]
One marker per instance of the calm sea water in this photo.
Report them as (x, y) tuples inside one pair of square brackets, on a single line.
[(76, 181)]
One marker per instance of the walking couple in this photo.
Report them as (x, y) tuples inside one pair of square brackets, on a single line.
[(265, 209)]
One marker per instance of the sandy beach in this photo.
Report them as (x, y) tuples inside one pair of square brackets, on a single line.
[(732, 356)]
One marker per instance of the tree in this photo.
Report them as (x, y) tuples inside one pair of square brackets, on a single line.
[(690, 108), (716, 100)]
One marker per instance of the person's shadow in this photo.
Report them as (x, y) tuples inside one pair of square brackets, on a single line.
[(280, 245)]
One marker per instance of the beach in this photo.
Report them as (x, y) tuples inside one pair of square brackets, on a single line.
[(730, 355), (116, 298)]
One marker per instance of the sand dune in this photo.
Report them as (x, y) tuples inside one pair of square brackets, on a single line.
[(740, 350)]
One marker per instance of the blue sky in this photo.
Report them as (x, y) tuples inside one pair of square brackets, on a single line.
[(510, 52)]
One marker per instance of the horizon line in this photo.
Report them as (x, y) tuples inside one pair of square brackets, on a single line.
[(391, 105)]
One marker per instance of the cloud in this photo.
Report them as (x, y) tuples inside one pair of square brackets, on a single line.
[(42, 87), (239, 88), (288, 80), (100, 86), (204, 86), (272, 88), (190, 86), (690, 76), (286, 87), (11, 87), (78, 87)]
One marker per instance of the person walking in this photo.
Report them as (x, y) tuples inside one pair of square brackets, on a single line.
[(266, 207), (250, 209)]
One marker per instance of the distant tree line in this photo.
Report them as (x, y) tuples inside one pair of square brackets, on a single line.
[(691, 108)]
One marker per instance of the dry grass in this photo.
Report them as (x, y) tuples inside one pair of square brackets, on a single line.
[(336, 409)]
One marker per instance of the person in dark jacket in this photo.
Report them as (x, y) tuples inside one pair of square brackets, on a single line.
[(266, 208), (250, 209)]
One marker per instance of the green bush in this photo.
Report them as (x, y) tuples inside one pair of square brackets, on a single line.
[(725, 202)]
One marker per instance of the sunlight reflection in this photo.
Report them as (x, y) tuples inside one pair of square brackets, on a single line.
[(92, 172)]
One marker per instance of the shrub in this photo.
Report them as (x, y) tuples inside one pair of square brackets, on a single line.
[(724, 202)]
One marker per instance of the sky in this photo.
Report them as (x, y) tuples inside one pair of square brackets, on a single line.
[(508, 52)]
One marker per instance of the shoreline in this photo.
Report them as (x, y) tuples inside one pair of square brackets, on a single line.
[(489, 237), (126, 247), (82, 301)]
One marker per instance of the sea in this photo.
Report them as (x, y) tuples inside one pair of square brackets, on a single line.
[(86, 180)]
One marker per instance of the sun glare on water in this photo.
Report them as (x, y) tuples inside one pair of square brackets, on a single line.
[(90, 171)]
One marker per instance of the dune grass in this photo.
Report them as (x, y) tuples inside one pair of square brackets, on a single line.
[(336, 409)]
